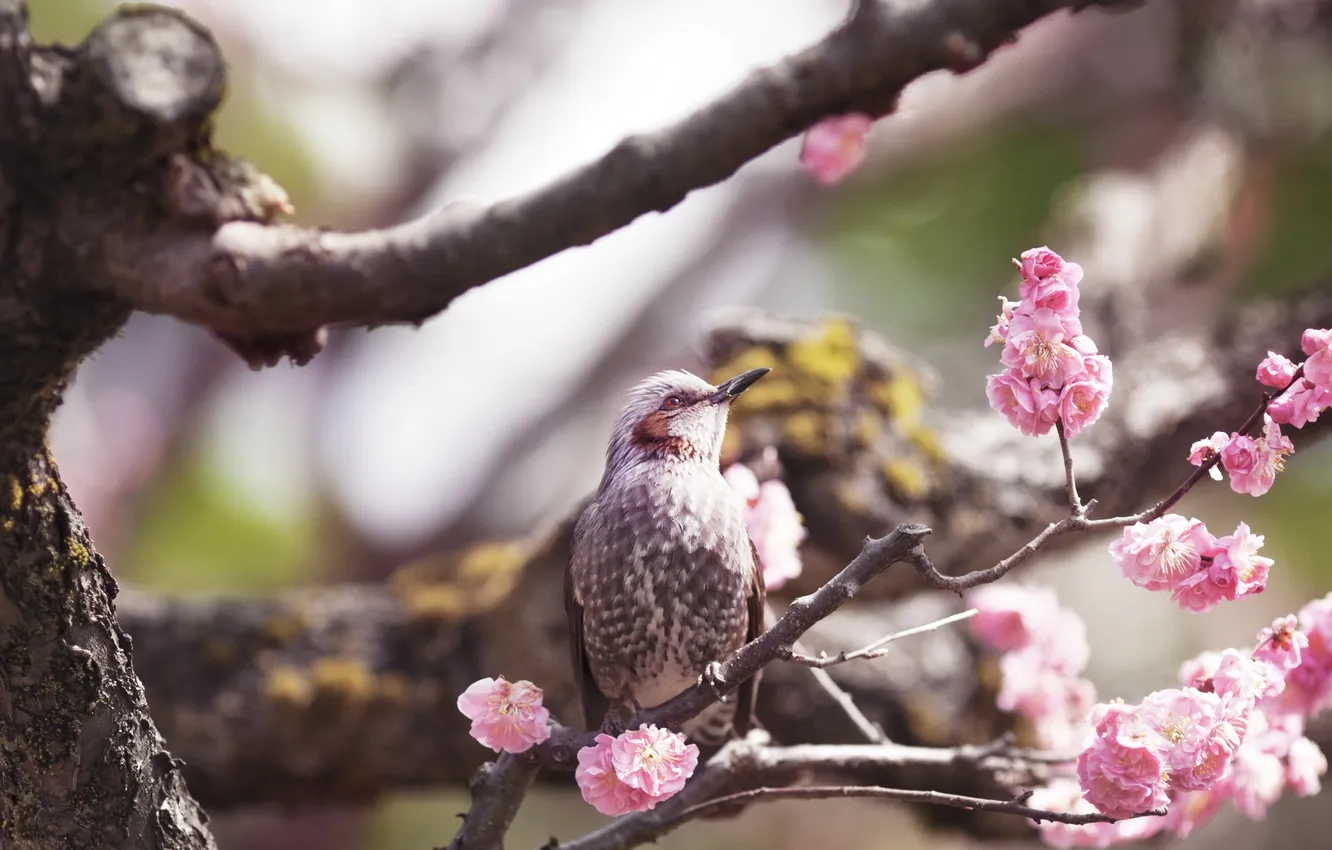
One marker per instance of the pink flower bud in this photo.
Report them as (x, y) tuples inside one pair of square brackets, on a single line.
[(1275, 371), (835, 147)]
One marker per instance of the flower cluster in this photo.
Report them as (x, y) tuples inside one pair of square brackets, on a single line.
[(1053, 372), (835, 147), (1044, 650), (636, 771), (631, 773), (1199, 570), (1305, 391), (773, 522), (1233, 732), (1303, 399), (506, 716)]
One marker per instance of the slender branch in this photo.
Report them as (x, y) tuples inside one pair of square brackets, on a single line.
[(903, 544), (867, 727), (1078, 520), (1070, 481), (977, 804), (498, 789), (246, 279), (876, 649)]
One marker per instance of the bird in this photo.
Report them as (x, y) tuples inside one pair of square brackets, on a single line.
[(663, 581)]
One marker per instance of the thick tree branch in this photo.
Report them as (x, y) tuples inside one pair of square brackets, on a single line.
[(245, 279), (764, 772), (498, 789)]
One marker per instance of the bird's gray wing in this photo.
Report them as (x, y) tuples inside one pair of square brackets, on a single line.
[(594, 704), (748, 691)]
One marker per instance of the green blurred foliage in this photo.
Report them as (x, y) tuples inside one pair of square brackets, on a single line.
[(915, 251), (199, 534), (1298, 253)]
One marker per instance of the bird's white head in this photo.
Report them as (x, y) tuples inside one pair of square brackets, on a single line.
[(674, 416)]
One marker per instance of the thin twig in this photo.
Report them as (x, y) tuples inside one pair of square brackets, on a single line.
[(876, 649), (978, 804), (866, 727), (1070, 481)]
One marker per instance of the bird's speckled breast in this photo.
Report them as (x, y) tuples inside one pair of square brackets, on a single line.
[(662, 566)]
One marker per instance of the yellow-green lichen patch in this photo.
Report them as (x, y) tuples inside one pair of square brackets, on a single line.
[(6, 524), (868, 427), (78, 553), (829, 355), (927, 441), (342, 678), (14, 490), (288, 686), (901, 397), (906, 478), (806, 432), (454, 585), (285, 626)]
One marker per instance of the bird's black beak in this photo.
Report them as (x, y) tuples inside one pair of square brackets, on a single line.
[(728, 390)]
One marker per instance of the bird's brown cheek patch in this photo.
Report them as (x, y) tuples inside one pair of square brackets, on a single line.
[(653, 434)]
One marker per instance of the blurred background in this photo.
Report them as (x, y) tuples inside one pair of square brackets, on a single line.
[(198, 476)]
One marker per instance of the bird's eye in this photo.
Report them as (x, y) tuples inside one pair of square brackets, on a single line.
[(673, 402)]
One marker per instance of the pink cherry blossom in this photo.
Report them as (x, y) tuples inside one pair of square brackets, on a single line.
[(835, 147), (654, 761), (1237, 565), (999, 332), (601, 785), (506, 716), (1081, 404), (1275, 371), (1299, 405), (773, 522), (1048, 281), (1204, 450), (1318, 366), (1197, 672), (1281, 643), (1257, 781), (1032, 411), (1246, 678), (1161, 554), (1037, 264), (1123, 780), (1010, 616), (1253, 464), (1038, 346), (1305, 766), (1190, 810), (1064, 795), (1200, 592)]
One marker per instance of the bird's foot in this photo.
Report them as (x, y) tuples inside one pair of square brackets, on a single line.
[(613, 724), (711, 679)]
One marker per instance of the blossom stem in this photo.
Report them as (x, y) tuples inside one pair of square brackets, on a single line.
[(878, 648), (981, 804), (1071, 483)]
